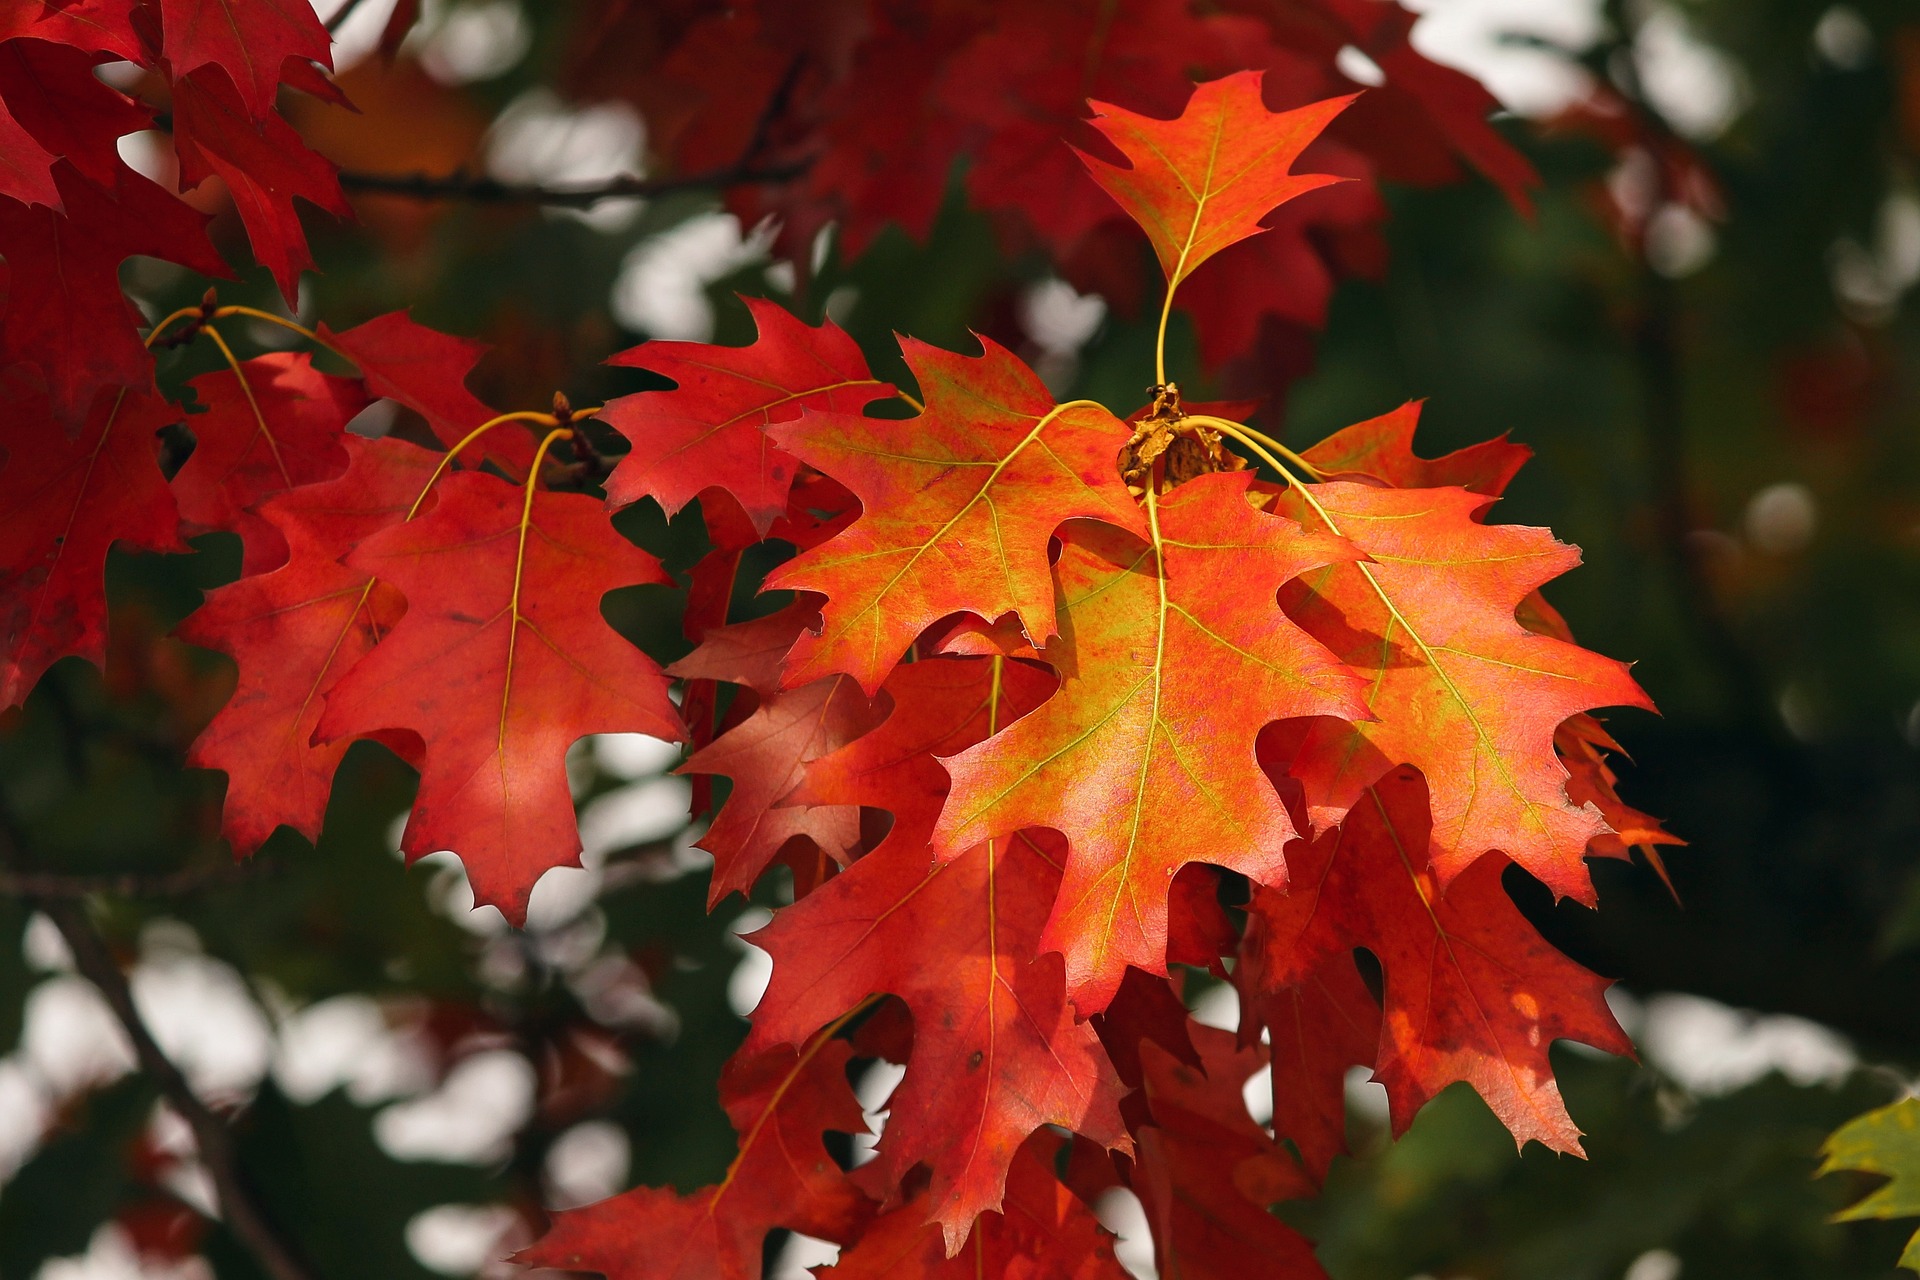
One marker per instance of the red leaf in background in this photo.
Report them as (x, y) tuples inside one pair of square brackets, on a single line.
[(68, 499), (1202, 182), (958, 505), (1460, 689), (1472, 991), (779, 1103), (265, 165), (293, 633), (502, 662), (285, 428), (250, 40), (767, 753), (1206, 1173), (709, 431), (1042, 1232), (1145, 757), (426, 371), (56, 98), (65, 315)]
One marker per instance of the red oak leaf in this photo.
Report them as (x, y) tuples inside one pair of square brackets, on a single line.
[(102, 26), (1202, 182), (65, 109), (502, 662), (426, 371), (766, 754), (293, 633), (1583, 744), (250, 40), (997, 1053), (1472, 991), (940, 706), (958, 505), (285, 427), (1042, 1232), (1382, 449), (1172, 656), (66, 317), (779, 1102), (264, 164), (1207, 1173), (1461, 690), (1318, 1024), (709, 431), (68, 499), (26, 167)]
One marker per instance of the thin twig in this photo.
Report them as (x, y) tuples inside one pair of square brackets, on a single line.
[(239, 1206), (340, 16), (124, 884), (481, 189)]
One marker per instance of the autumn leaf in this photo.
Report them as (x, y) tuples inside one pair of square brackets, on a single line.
[(1318, 1025), (250, 40), (26, 167), (709, 430), (1885, 1141), (265, 166), (957, 507), (1202, 182), (64, 110), (1458, 688), (1173, 655), (1382, 449), (1472, 991), (501, 663), (65, 316), (68, 499), (293, 633), (780, 1102), (1207, 1174), (426, 371), (274, 424), (766, 754), (1042, 1230)]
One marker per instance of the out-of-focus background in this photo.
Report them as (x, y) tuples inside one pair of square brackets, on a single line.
[(1704, 332)]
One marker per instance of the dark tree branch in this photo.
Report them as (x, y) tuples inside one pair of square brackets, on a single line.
[(480, 189), (340, 16), (125, 884), (239, 1206)]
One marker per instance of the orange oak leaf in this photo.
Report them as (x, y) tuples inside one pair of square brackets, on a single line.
[(282, 427), (1472, 991), (1207, 1173), (780, 1102), (250, 40), (426, 371), (1461, 690), (1382, 449), (1172, 656), (67, 500), (265, 165), (1042, 1232), (957, 507), (1202, 182), (766, 754), (502, 662), (293, 633), (709, 430)]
